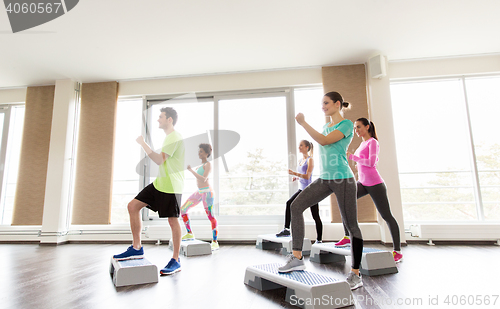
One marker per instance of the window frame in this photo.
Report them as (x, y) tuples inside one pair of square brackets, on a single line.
[(479, 204), (287, 92), (6, 109)]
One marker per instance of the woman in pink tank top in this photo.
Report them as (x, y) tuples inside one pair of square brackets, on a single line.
[(370, 182)]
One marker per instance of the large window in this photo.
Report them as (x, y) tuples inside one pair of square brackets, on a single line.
[(11, 131), (256, 182), (484, 108), (249, 176), (195, 123), (308, 101), (127, 155), (446, 149)]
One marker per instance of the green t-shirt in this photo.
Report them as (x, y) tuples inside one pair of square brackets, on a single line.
[(171, 172), (334, 163)]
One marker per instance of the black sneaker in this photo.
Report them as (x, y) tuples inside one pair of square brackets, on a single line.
[(284, 233)]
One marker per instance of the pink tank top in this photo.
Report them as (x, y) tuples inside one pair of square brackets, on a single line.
[(366, 158)]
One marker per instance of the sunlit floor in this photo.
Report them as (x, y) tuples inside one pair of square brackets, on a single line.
[(77, 276)]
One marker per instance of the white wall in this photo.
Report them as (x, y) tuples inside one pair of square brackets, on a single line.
[(380, 109), (15, 95), (222, 82), (488, 64)]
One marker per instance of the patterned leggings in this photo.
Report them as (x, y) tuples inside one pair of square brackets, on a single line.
[(207, 196)]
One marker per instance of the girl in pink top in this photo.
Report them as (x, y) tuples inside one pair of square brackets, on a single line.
[(370, 182)]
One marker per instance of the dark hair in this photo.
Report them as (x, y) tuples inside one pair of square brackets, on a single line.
[(335, 96), (371, 129), (310, 147), (207, 148), (170, 112)]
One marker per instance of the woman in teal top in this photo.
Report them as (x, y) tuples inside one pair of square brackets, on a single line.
[(204, 194), (336, 177)]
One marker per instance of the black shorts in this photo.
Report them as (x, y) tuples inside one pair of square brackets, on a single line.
[(167, 205)]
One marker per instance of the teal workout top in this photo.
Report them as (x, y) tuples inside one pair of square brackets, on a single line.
[(334, 163), (201, 170)]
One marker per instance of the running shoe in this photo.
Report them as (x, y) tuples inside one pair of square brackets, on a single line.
[(285, 232), (172, 267), (344, 242), (214, 245), (130, 254), (188, 236), (398, 257), (354, 280), (292, 264)]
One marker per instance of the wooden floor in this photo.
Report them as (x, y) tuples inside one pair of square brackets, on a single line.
[(77, 276)]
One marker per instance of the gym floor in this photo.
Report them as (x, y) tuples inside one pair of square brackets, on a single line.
[(77, 276)]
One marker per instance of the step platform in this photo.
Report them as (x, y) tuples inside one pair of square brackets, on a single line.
[(270, 242), (373, 263), (133, 272), (193, 247), (304, 289)]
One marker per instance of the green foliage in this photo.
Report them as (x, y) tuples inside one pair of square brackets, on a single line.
[(258, 181)]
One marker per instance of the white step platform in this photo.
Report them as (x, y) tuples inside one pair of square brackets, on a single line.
[(270, 242), (193, 247), (304, 289), (133, 272), (374, 262)]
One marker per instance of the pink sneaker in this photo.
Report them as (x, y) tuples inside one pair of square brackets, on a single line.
[(398, 257), (343, 242)]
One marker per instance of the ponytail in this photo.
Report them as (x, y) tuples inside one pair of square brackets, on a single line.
[(372, 131), (346, 105)]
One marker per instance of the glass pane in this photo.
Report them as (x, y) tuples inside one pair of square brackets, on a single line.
[(12, 162), (257, 181), (429, 121), (194, 118), (484, 102), (127, 154), (308, 102), (2, 119)]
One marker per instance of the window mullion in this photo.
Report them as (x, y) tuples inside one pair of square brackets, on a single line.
[(215, 147), (3, 157), (292, 149), (477, 190)]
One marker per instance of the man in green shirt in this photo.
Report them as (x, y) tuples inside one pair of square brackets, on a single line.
[(164, 194)]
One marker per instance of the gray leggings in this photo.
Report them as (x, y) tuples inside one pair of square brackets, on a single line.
[(345, 191), (378, 194)]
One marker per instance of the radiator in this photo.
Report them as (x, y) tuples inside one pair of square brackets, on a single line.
[(459, 231)]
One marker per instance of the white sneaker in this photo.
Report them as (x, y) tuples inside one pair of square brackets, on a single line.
[(354, 280), (292, 264)]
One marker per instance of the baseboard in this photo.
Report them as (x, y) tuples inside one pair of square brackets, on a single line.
[(453, 242)]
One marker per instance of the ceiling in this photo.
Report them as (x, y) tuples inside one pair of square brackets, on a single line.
[(103, 40)]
